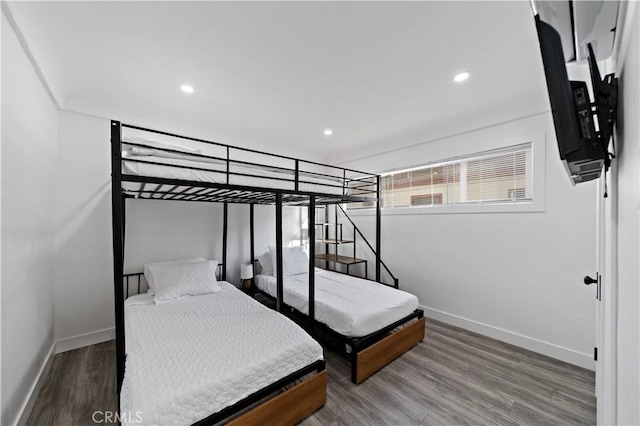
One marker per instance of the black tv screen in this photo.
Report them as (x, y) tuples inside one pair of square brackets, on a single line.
[(573, 118)]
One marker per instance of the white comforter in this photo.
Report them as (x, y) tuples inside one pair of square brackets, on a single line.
[(192, 357), (349, 305)]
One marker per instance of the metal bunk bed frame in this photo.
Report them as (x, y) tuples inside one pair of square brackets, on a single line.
[(364, 187)]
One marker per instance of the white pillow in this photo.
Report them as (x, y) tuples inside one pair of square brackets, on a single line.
[(139, 299), (160, 144), (173, 280), (266, 263), (136, 151), (149, 277), (294, 261)]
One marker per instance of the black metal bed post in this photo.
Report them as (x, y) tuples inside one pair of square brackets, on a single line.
[(344, 182), (378, 227), (118, 249), (124, 231), (324, 234), (335, 235), (312, 257), (225, 223), (252, 244), (279, 271)]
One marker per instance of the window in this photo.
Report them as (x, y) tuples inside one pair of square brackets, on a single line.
[(498, 176)]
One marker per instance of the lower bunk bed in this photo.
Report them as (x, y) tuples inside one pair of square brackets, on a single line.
[(373, 322), (220, 357)]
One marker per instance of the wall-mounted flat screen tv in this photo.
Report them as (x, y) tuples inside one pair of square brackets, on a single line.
[(583, 128)]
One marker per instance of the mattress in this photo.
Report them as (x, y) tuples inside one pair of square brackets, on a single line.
[(349, 305), (193, 356), (215, 172)]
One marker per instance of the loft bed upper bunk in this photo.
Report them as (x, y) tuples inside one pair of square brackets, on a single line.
[(197, 170), (216, 172)]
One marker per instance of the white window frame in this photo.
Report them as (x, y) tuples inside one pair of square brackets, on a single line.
[(538, 152)]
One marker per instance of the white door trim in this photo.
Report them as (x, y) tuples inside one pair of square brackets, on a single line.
[(607, 310)]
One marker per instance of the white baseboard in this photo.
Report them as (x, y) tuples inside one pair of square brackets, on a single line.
[(29, 402), (77, 342), (580, 359)]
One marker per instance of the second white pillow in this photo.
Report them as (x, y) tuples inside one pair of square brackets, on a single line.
[(266, 263), (294, 261), (173, 280), (149, 277)]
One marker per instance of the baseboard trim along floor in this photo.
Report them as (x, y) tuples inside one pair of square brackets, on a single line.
[(584, 360)]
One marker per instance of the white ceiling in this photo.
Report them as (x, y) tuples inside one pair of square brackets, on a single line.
[(275, 75)]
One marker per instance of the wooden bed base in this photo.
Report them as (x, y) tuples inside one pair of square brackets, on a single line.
[(291, 406), (372, 352), (373, 358)]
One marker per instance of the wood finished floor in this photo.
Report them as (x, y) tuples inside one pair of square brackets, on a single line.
[(453, 377)]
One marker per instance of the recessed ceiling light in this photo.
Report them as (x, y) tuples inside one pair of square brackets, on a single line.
[(459, 78), (328, 132), (186, 88)]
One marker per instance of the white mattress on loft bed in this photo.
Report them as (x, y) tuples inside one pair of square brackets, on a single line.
[(216, 173), (193, 356), (349, 305)]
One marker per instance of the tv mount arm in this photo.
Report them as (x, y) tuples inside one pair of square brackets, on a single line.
[(605, 93)]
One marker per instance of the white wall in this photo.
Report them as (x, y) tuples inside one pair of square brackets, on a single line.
[(84, 300), (29, 135), (164, 230), (155, 230), (516, 276), (627, 222), (265, 229)]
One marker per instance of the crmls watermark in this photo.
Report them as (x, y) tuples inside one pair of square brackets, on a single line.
[(115, 417)]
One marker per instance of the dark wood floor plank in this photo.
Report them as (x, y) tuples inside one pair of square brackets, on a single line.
[(457, 394), (366, 410), (508, 373), (454, 377), (513, 389), (384, 394), (560, 376), (496, 348), (561, 367), (560, 413), (528, 416), (350, 419), (562, 397), (431, 352), (479, 352), (584, 409)]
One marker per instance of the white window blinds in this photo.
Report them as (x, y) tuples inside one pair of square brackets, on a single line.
[(499, 176)]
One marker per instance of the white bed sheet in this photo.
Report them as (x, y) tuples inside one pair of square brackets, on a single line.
[(216, 173), (192, 357), (349, 305)]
